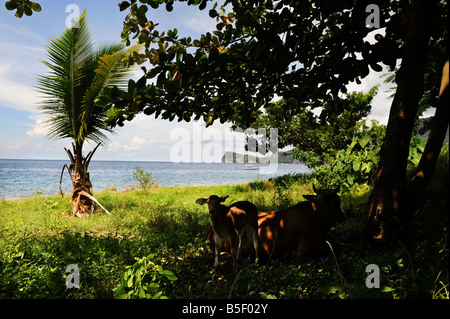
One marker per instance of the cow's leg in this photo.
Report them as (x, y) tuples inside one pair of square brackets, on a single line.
[(242, 241), (256, 243), (218, 248), (233, 246)]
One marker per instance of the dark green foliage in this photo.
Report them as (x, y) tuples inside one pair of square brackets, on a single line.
[(142, 280), (317, 137), (34, 267), (356, 164), (23, 6)]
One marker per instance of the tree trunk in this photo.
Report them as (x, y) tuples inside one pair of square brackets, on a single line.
[(82, 205), (424, 171), (82, 199), (388, 198)]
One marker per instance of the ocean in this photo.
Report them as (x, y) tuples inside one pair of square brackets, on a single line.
[(25, 178)]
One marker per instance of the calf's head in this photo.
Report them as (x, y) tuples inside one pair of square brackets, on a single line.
[(213, 202), (329, 202)]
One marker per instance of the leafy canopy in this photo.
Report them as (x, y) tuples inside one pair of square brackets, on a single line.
[(302, 50)]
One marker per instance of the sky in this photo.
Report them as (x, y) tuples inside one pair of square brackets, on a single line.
[(22, 48)]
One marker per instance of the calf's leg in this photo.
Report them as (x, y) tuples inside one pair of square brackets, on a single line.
[(256, 243), (218, 248)]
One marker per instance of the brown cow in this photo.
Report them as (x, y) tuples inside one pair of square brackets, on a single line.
[(300, 228)]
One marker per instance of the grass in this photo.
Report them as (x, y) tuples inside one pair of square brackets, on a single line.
[(147, 237)]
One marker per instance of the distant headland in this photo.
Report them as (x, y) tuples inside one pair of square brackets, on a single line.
[(283, 158)]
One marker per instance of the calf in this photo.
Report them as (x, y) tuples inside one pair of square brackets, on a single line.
[(229, 223)]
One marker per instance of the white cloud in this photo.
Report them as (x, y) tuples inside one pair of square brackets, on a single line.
[(370, 37), (137, 144), (114, 147), (39, 129), (21, 49), (149, 139)]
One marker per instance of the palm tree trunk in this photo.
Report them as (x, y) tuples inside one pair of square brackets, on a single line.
[(78, 166), (82, 198), (83, 205)]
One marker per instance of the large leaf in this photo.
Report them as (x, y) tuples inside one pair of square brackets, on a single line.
[(169, 275), (387, 289), (353, 143), (364, 140), (356, 164)]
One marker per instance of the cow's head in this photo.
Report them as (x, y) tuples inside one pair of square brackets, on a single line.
[(213, 202), (329, 202)]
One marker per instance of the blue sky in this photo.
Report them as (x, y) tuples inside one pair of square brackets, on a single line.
[(22, 48)]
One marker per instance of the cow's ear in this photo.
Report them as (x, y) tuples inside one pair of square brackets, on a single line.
[(223, 198), (201, 201), (311, 198), (317, 191)]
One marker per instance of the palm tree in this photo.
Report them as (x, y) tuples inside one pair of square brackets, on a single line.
[(78, 73)]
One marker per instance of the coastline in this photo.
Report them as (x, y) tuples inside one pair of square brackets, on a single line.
[(128, 189), (28, 178)]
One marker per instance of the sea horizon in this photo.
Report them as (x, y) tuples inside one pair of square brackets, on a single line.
[(106, 160)]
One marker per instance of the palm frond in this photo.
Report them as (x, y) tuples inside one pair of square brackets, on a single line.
[(111, 71), (64, 87)]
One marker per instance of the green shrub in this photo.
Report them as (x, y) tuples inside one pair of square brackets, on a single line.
[(144, 178), (356, 164), (143, 280)]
